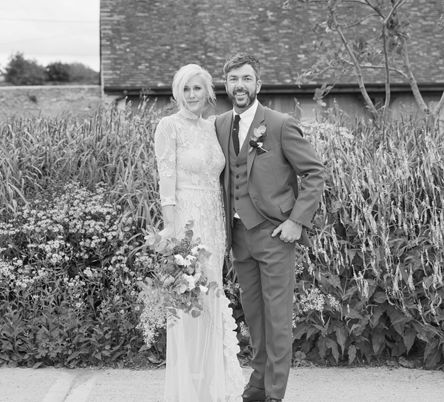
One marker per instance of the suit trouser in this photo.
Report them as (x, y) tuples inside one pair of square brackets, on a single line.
[(265, 269)]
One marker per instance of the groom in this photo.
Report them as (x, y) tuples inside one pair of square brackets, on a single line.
[(266, 212)]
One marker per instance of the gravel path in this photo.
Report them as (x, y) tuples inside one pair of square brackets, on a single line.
[(305, 384)]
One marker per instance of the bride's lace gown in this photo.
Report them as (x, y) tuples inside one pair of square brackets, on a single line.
[(201, 363)]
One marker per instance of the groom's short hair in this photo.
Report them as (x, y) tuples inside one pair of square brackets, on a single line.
[(238, 60)]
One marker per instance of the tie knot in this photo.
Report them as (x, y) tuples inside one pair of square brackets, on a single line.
[(236, 118)]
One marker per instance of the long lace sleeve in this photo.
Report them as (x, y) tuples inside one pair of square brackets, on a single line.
[(165, 150)]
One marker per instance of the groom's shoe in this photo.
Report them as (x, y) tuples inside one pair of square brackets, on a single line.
[(272, 400), (253, 394)]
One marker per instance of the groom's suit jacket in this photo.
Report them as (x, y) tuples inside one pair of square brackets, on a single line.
[(272, 177)]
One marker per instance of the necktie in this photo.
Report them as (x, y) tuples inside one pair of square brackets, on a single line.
[(235, 133)]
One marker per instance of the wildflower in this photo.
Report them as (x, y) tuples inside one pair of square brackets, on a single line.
[(189, 259), (333, 303), (190, 280), (244, 329), (179, 260), (182, 288), (195, 250), (203, 289), (87, 271), (314, 300), (169, 280)]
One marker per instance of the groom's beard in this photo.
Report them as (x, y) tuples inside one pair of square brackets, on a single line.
[(251, 97)]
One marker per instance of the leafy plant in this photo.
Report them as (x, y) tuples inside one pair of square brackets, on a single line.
[(68, 281), (371, 288), (378, 248)]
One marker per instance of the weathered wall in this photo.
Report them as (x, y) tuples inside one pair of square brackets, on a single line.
[(304, 108)]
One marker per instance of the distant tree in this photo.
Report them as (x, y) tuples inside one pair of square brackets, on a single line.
[(58, 72), (20, 71), (80, 73)]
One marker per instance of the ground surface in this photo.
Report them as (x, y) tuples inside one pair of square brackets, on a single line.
[(306, 384), (52, 101)]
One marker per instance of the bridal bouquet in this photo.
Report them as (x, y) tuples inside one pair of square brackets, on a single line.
[(175, 283)]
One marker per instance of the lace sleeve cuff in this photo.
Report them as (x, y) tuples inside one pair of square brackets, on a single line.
[(165, 202)]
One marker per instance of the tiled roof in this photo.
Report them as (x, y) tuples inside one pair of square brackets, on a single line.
[(144, 42)]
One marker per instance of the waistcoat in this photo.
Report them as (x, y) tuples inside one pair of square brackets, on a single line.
[(240, 199)]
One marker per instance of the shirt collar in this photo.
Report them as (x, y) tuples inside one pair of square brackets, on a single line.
[(249, 113)]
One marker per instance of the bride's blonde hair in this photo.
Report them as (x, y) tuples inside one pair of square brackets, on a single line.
[(183, 75)]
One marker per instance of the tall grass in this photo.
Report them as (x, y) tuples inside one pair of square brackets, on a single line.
[(380, 245), (113, 147)]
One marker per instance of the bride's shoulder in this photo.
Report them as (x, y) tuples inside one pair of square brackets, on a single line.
[(211, 118), (167, 126), (170, 120)]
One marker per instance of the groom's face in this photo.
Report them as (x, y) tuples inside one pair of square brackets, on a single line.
[(242, 87)]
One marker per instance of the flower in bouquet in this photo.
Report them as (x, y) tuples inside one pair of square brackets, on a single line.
[(176, 283)]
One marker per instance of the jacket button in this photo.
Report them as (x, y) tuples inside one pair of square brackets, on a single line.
[(237, 198)]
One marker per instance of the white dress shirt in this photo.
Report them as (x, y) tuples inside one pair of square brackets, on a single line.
[(246, 118)]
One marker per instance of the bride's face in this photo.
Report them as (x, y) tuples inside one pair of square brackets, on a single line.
[(195, 95)]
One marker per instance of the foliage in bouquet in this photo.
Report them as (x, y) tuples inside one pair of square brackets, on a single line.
[(176, 281)]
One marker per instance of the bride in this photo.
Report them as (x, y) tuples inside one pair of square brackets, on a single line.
[(201, 362)]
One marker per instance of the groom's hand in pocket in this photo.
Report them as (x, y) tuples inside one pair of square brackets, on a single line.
[(289, 231)]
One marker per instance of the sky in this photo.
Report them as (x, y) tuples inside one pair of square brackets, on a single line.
[(50, 30)]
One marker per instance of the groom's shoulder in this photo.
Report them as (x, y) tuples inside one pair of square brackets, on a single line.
[(223, 116), (279, 119), (275, 114)]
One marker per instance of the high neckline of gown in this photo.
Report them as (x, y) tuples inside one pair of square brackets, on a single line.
[(188, 115)]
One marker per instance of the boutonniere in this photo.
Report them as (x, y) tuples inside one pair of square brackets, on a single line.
[(257, 139)]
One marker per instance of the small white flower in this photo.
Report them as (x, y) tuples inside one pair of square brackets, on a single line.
[(203, 289), (87, 271), (179, 260), (182, 288), (189, 259), (191, 280)]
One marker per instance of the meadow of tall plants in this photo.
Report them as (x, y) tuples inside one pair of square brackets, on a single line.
[(76, 197)]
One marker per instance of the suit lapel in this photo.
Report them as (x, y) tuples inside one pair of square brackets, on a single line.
[(225, 134), (259, 119)]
